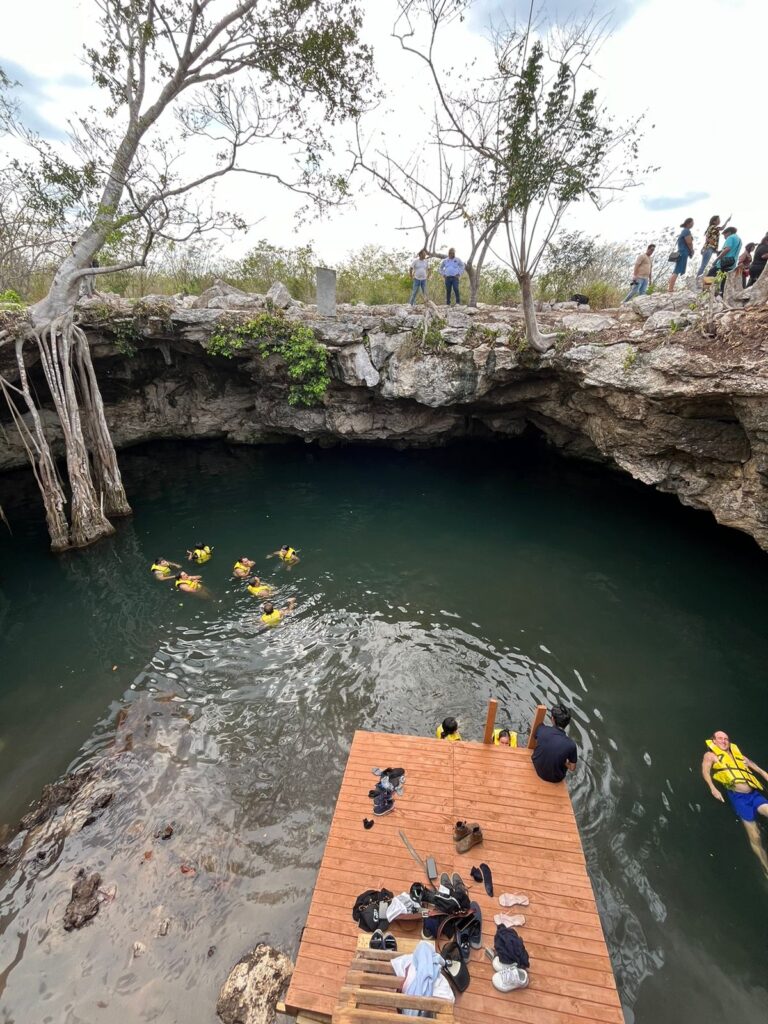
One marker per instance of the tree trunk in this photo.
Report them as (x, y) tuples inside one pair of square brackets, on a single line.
[(43, 466), (89, 522), (106, 471), (474, 284), (540, 342), (757, 293)]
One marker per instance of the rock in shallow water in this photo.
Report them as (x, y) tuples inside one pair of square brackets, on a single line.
[(250, 993), (84, 903)]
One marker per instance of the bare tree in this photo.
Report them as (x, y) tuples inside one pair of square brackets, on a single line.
[(441, 188), (240, 75), (544, 140)]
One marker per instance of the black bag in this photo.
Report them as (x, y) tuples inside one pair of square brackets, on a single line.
[(366, 908), (673, 256), (727, 263)]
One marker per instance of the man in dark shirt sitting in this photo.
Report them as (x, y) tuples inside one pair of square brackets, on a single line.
[(555, 753)]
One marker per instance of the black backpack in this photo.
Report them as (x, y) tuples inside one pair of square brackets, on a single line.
[(366, 908)]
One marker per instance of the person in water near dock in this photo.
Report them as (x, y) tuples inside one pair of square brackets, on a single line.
[(448, 730), (555, 753), (188, 584), (257, 588), (242, 567), (161, 569), (200, 553), (272, 616), (504, 738), (286, 554), (725, 765)]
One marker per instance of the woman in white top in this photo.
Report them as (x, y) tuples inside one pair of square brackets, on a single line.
[(419, 275)]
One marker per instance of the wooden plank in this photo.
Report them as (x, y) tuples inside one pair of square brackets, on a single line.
[(539, 715), (490, 720)]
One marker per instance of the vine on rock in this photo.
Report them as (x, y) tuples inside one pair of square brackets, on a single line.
[(305, 359)]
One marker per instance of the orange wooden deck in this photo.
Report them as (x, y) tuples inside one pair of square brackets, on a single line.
[(532, 845)]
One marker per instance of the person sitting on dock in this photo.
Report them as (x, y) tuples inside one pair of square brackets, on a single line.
[(161, 569), (286, 554), (272, 616), (555, 753), (725, 764), (448, 730), (242, 567), (504, 738)]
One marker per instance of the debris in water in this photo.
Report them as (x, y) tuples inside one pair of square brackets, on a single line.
[(164, 926), (164, 833), (211, 950), (84, 903), (139, 949), (187, 870), (147, 855)]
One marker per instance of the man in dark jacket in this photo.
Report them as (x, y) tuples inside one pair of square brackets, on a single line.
[(555, 753), (759, 259)]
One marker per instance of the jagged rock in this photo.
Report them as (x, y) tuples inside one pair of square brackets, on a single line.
[(588, 323), (84, 903), (382, 346), (244, 300), (646, 305), (279, 296), (55, 795), (353, 366), (333, 333), (251, 992), (665, 319), (216, 291)]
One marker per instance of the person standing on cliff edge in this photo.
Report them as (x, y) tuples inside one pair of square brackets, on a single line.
[(684, 252), (451, 270), (641, 275), (725, 765)]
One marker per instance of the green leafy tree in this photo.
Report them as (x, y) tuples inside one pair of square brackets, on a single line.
[(240, 78)]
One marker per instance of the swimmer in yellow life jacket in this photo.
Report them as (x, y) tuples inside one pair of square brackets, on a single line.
[(200, 553), (257, 588), (725, 765), (448, 730), (504, 738), (286, 554), (272, 616), (188, 584), (161, 569), (242, 567)]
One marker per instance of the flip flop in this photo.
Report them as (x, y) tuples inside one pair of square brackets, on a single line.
[(509, 920), (455, 969), (390, 942), (487, 879), (513, 899), (377, 940), (475, 928)]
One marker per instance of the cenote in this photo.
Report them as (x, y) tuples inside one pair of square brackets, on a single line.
[(429, 582)]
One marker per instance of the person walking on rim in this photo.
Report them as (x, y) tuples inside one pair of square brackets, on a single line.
[(711, 244), (641, 275), (726, 258), (451, 269), (419, 275), (555, 753), (684, 251), (725, 765)]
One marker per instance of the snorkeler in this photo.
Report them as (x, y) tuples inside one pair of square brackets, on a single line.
[(242, 567), (286, 554), (725, 764), (272, 616), (448, 730), (200, 553), (161, 569), (257, 588), (188, 584)]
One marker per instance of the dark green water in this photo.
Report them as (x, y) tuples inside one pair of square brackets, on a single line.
[(428, 583)]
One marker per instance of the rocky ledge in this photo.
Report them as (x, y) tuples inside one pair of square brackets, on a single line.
[(671, 389)]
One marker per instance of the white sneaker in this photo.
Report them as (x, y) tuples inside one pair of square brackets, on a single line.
[(510, 978)]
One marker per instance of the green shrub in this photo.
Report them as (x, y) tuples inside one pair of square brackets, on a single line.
[(10, 298)]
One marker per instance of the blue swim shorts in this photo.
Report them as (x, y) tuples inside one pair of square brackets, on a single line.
[(746, 804)]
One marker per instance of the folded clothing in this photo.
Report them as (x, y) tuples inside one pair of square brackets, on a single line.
[(509, 947), (402, 904), (421, 971)]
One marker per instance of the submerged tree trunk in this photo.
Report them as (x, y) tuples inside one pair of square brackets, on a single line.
[(106, 472), (540, 342)]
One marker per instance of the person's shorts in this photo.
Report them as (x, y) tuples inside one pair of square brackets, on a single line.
[(682, 263), (746, 804)]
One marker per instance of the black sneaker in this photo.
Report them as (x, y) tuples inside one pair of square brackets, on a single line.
[(383, 805)]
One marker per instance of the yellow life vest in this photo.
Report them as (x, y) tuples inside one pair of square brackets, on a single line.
[(201, 555), (260, 590), (287, 556), (239, 567), (192, 584), (730, 767), (512, 737), (272, 619), (452, 737), (164, 569)]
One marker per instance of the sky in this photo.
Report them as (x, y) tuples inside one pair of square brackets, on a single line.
[(691, 66)]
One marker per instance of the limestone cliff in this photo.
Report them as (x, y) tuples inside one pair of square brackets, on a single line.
[(664, 388)]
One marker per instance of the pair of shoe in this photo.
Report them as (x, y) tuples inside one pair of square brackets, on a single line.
[(507, 977), (383, 940), (383, 803), (466, 835)]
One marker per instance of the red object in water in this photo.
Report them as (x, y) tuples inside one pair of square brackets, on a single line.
[(187, 870), (147, 855)]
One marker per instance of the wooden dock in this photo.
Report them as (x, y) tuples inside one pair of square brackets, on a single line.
[(531, 844)]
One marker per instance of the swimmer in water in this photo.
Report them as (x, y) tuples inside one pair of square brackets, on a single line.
[(257, 588), (272, 616), (189, 584), (242, 567), (504, 738), (161, 569), (448, 730), (200, 553), (286, 554)]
